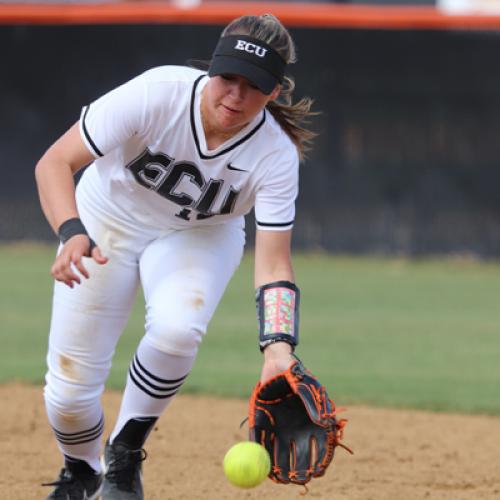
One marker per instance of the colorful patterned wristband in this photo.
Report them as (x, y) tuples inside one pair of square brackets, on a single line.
[(278, 313)]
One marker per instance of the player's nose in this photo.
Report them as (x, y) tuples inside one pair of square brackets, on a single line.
[(239, 89)]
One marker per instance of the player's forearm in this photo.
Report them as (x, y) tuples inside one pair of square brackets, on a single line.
[(273, 261), (280, 273), (56, 189), (269, 270)]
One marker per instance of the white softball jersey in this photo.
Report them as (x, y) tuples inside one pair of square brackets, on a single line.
[(153, 164)]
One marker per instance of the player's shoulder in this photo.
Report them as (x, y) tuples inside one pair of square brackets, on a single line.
[(169, 87), (172, 75)]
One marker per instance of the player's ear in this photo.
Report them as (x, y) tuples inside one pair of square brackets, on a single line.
[(275, 93)]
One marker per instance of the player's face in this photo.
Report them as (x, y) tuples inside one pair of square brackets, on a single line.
[(232, 101)]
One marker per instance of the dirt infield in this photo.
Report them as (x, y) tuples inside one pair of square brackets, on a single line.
[(399, 455)]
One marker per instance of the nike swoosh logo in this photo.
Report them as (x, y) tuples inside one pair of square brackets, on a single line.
[(231, 167)]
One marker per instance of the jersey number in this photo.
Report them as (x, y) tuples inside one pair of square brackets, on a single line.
[(162, 174)]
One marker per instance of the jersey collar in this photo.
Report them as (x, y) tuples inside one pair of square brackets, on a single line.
[(197, 128)]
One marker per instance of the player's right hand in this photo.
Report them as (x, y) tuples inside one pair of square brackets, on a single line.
[(70, 259)]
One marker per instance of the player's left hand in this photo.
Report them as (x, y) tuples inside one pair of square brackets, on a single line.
[(277, 358)]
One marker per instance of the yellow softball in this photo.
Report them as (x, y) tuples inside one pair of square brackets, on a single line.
[(247, 464)]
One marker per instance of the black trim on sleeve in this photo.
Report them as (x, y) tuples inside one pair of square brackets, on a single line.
[(87, 135), (195, 134), (275, 224)]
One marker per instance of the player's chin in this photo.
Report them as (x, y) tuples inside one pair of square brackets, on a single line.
[(231, 124)]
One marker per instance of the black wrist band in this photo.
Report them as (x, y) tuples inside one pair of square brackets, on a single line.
[(71, 228)]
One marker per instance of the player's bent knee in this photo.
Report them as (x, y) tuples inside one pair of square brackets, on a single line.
[(179, 339), (68, 398)]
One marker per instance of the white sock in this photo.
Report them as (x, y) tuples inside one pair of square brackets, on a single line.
[(78, 436), (153, 380)]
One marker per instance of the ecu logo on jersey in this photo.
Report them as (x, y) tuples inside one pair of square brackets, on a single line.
[(162, 174)]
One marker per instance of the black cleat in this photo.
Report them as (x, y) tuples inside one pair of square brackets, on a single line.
[(122, 472), (77, 481)]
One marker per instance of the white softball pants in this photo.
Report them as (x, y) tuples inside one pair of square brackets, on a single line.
[(183, 274)]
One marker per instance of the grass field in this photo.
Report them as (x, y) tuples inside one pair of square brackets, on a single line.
[(387, 332)]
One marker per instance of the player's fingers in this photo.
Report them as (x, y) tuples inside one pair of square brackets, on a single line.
[(78, 262), (98, 256), (58, 268), (62, 269), (67, 278), (70, 275)]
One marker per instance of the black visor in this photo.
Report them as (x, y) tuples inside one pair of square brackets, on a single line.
[(253, 59)]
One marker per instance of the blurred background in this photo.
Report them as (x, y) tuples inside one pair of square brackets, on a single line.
[(398, 219), (406, 161)]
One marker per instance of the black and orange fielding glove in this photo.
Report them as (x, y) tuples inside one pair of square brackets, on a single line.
[(292, 416)]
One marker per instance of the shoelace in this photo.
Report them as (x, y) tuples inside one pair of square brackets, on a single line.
[(65, 477), (121, 471), (68, 483)]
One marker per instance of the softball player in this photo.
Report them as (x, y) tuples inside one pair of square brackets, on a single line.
[(178, 157)]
